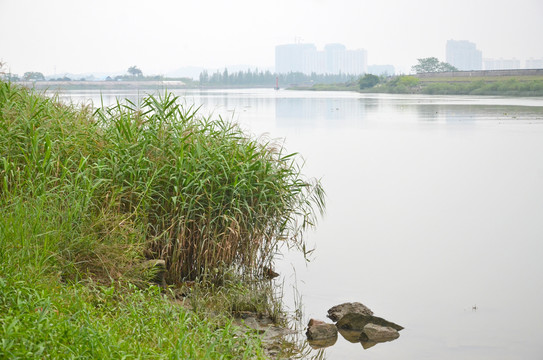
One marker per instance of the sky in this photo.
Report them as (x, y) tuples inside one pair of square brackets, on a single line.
[(159, 36)]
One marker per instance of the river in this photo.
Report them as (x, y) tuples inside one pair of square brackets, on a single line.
[(434, 208)]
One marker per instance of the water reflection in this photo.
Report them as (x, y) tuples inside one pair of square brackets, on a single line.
[(322, 343), (319, 112), (328, 110)]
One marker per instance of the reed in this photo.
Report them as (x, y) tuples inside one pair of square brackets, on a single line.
[(195, 191)]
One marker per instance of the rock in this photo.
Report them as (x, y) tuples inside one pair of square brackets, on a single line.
[(262, 325), (319, 330), (352, 336), (377, 333), (337, 312), (354, 321), (322, 343), (368, 344)]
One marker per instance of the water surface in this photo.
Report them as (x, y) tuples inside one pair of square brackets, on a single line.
[(434, 206)]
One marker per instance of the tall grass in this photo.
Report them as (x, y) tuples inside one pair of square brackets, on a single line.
[(197, 192), (211, 197), (44, 317)]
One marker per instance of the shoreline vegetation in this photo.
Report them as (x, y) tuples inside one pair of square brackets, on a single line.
[(446, 83), (484, 85), (89, 196), (433, 78)]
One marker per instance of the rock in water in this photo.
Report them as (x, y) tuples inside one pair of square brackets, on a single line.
[(337, 312), (367, 344), (354, 321), (323, 343), (352, 336), (319, 330), (377, 333)]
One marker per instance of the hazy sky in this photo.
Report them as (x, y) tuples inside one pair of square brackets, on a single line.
[(162, 35)]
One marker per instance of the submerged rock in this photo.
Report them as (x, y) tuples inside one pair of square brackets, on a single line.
[(358, 322), (367, 344), (319, 330), (352, 336), (377, 333), (272, 336), (322, 343), (337, 312)]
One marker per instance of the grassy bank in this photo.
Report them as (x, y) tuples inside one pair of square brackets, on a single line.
[(411, 84), (478, 86), (86, 196)]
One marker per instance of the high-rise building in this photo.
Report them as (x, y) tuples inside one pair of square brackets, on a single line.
[(294, 57), (464, 55), (334, 59)]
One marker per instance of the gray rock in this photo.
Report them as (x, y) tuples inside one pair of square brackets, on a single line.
[(352, 336), (322, 343), (353, 321), (377, 333), (337, 312), (368, 344), (319, 330), (262, 325)]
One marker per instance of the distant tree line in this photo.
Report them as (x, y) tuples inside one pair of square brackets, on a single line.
[(267, 78)]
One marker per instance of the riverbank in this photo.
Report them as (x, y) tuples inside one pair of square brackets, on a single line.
[(106, 85), (164, 85), (491, 83), (89, 198)]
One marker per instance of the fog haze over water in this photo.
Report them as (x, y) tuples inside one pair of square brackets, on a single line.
[(434, 206), (64, 36)]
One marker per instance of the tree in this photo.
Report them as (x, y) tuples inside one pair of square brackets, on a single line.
[(447, 67), (33, 75), (225, 76), (204, 77), (134, 71), (432, 64), (368, 81)]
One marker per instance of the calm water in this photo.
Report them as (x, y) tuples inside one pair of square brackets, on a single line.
[(434, 205)]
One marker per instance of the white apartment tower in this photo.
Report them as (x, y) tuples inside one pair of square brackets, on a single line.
[(464, 55)]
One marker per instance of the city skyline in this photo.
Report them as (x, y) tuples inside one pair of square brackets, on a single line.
[(333, 59)]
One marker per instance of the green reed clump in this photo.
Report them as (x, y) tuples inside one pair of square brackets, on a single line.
[(211, 197), (197, 192)]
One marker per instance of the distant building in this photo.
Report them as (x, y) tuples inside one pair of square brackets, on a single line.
[(501, 64), (294, 57), (534, 64), (464, 55), (306, 59), (381, 69)]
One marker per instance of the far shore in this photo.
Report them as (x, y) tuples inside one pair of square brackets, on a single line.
[(103, 85)]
